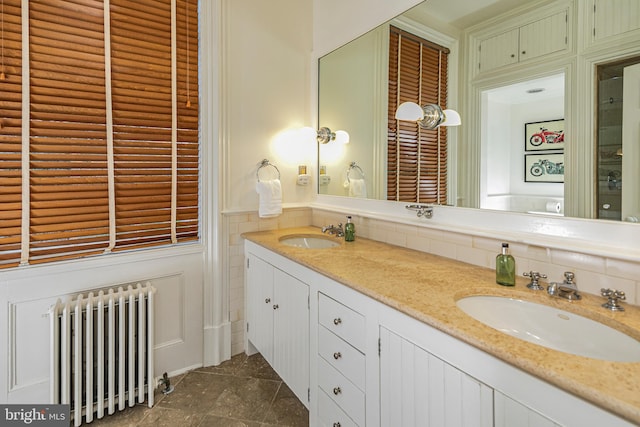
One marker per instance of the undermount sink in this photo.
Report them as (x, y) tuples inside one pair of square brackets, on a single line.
[(552, 328), (309, 242)]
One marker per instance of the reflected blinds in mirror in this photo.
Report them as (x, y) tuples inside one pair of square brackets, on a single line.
[(417, 158)]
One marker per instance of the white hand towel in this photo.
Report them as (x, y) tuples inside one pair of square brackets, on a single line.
[(357, 188), (270, 193)]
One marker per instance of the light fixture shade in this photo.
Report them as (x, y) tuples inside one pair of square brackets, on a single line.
[(430, 116), (451, 118), (409, 111), (342, 137)]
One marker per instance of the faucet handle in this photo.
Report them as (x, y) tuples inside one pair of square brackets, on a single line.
[(613, 297), (535, 276), (568, 278)]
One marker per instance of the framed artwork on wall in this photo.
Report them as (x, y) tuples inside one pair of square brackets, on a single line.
[(547, 167), (547, 135)]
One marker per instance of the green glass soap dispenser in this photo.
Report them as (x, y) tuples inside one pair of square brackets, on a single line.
[(349, 230), (505, 267)]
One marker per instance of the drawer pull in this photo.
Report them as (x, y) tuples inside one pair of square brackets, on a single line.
[(337, 390), (337, 355), (337, 321), (276, 306), (267, 300), (336, 424)]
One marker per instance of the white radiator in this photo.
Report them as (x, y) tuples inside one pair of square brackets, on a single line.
[(102, 351)]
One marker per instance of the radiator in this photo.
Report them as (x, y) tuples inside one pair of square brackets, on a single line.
[(102, 351)]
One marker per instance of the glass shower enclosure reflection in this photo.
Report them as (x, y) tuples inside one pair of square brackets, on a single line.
[(614, 137)]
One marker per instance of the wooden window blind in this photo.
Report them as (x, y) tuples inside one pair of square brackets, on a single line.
[(99, 113), (416, 157)]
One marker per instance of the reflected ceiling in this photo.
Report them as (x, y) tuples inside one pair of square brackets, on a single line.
[(465, 13)]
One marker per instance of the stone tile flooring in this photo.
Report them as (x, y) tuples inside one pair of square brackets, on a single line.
[(243, 391)]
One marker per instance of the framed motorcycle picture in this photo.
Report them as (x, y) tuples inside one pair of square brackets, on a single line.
[(547, 135), (547, 167)]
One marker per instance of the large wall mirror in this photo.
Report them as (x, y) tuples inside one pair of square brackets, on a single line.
[(520, 121)]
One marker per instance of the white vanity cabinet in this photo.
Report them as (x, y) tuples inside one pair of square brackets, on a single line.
[(341, 362), (507, 412), (356, 361), (277, 307), (429, 378), (418, 388)]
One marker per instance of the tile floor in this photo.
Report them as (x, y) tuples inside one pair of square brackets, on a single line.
[(243, 391)]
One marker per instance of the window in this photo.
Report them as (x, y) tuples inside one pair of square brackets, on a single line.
[(416, 157), (98, 128)]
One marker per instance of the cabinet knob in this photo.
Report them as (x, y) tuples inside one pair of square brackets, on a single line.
[(524, 52), (337, 355), (513, 55), (337, 321), (336, 424), (267, 300), (337, 390), (276, 306)]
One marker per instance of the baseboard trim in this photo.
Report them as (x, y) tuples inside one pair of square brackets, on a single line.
[(217, 344)]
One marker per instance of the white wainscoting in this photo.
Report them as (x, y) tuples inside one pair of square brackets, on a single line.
[(26, 293)]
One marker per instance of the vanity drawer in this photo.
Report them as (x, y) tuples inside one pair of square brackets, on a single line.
[(342, 321), (342, 391), (342, 356), (330, 414)]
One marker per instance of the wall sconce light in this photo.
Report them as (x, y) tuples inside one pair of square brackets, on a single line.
[(430, 116), (325, 135)]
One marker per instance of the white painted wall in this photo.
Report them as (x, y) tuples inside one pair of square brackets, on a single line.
[(348, 103), (551, 109), (265, 89), (503, 186)]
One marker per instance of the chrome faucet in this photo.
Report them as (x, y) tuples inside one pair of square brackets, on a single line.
[(613, 297), (535, 277), (332, 229), (567, 289)]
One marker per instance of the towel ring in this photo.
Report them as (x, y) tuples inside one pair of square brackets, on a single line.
[(352, 166), (265, 163)]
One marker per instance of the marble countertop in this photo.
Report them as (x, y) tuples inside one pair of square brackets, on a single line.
[(427, 287)]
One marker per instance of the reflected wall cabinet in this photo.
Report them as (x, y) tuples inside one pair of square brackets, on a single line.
[(536, 39)]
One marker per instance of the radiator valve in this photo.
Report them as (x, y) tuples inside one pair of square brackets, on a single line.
[(166, 382)]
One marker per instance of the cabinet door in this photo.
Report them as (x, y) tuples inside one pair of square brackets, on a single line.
[(260, 303), (509, 413), (419, 389), (291, 333), (615, 17), (543, 36), (499, 50)]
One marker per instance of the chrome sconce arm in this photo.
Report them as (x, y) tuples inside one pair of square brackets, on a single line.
[(325, 135)]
